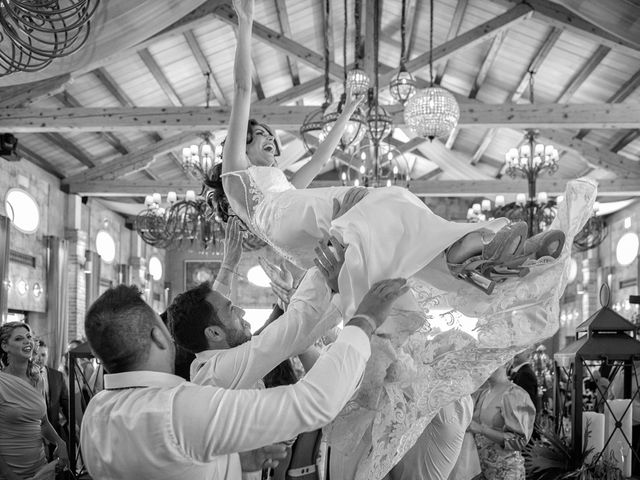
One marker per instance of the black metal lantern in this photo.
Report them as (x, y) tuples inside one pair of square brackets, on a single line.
[(607, 355)]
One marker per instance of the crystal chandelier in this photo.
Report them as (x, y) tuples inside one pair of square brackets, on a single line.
[(403, 85), (432, 112), (34, 33), (374, 165), (358, 81)]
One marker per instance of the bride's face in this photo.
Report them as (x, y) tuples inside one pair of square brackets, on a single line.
[(262, 148)]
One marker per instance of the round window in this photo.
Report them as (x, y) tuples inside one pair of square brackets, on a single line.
[(23, 210), (155, 268), (258, 277), (105, 246), (627, 248)]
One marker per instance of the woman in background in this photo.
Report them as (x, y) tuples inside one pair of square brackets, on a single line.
[(502, 424), (23, 413)]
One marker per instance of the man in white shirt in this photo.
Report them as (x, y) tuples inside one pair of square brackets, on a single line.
[(148, 423)]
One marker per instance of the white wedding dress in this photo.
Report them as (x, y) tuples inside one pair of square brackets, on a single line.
[(412, 373)]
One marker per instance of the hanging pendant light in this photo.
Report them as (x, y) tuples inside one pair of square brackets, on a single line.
[(432, 112), (403, 85)]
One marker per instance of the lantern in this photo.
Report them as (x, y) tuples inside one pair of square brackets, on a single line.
[(608, 346)]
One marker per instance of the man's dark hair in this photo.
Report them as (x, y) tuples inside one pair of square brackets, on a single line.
[(41, 343), (189, 315), (118, 327)]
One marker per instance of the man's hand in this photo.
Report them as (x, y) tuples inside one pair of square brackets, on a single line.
[(377, 302), (264, 457), (328, 263), (285, 279), (474, 427), (232, 244), (353, 196)]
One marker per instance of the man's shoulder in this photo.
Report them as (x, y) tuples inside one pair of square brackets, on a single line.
[(55, 374)]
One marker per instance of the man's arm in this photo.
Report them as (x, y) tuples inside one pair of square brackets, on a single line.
[(211, 421)]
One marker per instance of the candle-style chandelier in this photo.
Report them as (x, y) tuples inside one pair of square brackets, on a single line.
[(35, 32), (197, 160)]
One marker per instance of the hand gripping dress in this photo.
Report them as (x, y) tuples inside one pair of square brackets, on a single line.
[(412, 373)]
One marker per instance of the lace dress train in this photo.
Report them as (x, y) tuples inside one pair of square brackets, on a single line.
[(413, 371)]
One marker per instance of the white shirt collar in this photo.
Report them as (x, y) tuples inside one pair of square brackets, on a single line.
[(514, 369), (141, 378)]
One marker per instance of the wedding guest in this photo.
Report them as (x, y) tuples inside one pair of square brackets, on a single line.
[(23, 413), (55, 392), (502, 425), (126, 432), (523, 375)]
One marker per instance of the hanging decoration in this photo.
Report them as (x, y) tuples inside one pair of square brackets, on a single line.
[(403, 85), (432, 112), (33, 33)]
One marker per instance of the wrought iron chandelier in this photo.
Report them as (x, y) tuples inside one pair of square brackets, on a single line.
[(181, 223), (432, 112), (35, 32)]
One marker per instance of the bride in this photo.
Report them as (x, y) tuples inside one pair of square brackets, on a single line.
[(490, 271)]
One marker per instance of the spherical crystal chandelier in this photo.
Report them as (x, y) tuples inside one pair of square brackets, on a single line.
[(197, 160), (358, 81), (432, 112)]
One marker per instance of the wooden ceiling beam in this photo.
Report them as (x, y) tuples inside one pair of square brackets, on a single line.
[(205, 68), (600, 157), (160, 77), (453, 163), (486, 141), (626, 137), (472, 114), (285, 28), (70, 101), (453, 135), (487, 62), (38, 160), (69, 148), (430, 188), (454, 30), (281, 43), (619, 96), (472, 37), (412, 16), (17, 95), (536, 62), (133, 161), (583, 73)]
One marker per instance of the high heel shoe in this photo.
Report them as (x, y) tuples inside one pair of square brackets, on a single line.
[(545, 244), (501, 258)]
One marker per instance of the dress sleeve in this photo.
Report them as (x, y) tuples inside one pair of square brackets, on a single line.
[(242, 194), (519, 416)]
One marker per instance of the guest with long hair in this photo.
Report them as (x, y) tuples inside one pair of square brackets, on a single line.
[(23, 413)]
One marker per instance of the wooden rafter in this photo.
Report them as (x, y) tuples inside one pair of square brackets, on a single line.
[(583, 73), (281, 43), (70, 101), (133, 161), (625, 138), (205, 68), (160, 77), (487, 62), (285, 28), (17, 95), (412, 16), (69, 147), (467, 39), (536, 62), (434, 188), (36, 159), (486, 141), (454, 30), (451, 139), (472, 114)]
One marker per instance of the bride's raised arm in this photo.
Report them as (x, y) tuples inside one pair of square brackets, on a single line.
[(305, 175), (234, 156)]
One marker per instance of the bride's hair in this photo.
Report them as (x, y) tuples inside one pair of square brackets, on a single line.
[(253, 123), (214, 193)]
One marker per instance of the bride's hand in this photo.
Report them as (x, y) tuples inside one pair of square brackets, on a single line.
[(244, 9), (352, 101)]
